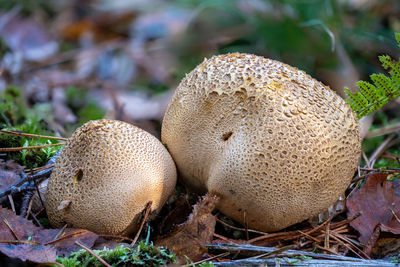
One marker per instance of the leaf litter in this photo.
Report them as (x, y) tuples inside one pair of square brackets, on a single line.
[(107, 64), (378, 203)]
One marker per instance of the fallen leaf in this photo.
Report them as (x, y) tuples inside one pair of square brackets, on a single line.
[(177, 215), (26, 36), (66, 244), (378, 205), (191, 237), (136, 106), (376, 239), (30, 253), (386, 246), (43, 244), (9, 173)]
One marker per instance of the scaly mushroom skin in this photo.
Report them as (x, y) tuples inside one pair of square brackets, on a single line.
[(276, 145), (105, 175)]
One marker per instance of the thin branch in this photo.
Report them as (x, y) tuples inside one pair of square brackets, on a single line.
[(38, 177), (208, 259), (94, 254), (146, 214), (10, 198), (65, 237), (33, 135), (365, 159), (384, 130), (19, 242), (225, 238), (240, 229), (274, 253), (11, 229), (340, 239), (11, 149), (380, 150)]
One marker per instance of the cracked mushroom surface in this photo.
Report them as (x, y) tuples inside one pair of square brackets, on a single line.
[(276, 145), (105, 175)]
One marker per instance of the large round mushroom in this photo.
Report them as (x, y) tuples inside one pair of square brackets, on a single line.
[(106, 174), (276, 145)]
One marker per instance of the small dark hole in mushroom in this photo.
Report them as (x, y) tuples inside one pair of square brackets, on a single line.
[(78, 176), (226, 136)]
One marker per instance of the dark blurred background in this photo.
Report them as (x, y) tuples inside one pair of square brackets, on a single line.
[(72, 61)]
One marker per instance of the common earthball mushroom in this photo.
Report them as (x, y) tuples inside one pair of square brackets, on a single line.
[(105, 176), (274, 144)]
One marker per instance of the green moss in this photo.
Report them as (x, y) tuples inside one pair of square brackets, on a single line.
[(144, 254), (15, 115)]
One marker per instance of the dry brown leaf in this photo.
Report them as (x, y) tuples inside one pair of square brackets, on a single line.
[(27, 37), (30, 253), (378, 205), (9, 173), (191, 237), (41, 244)]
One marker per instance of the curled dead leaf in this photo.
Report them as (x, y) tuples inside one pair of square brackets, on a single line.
[(378, 203), (190, 238)]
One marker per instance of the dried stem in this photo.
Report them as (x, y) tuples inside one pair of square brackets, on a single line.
[(10, 149), (33, 135), (11, 229), (94, 254), (146, 214)]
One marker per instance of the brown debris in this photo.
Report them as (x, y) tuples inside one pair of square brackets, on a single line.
[(378, 205), (190, 238)]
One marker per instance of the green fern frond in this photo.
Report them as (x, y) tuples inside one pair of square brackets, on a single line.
[(372, 97)]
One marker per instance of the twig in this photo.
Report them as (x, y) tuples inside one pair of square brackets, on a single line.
[(11, 229), (273, 253), (267, 236), (29, 208), (358, 178), (146, 214), (117, 237), (240, 229), (327, 250), (59, 233), (19, 242), (389, 169), (380, 150), (246, 226), (10, 198), (38, 169), (208, 259), (394, 215), (94, 254), (309, 236), (36, 220), (384, 130), (26, 200), (10, 149), (65, 237), (26, 178), (33, 135), (365, 159), (225, 238), (320, 226), (341, 240)]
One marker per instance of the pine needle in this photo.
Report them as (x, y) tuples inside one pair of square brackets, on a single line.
[(10, 149), (33, 135)]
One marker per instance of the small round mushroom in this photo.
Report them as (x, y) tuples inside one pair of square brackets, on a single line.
[(105, 175), (274, 144)]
